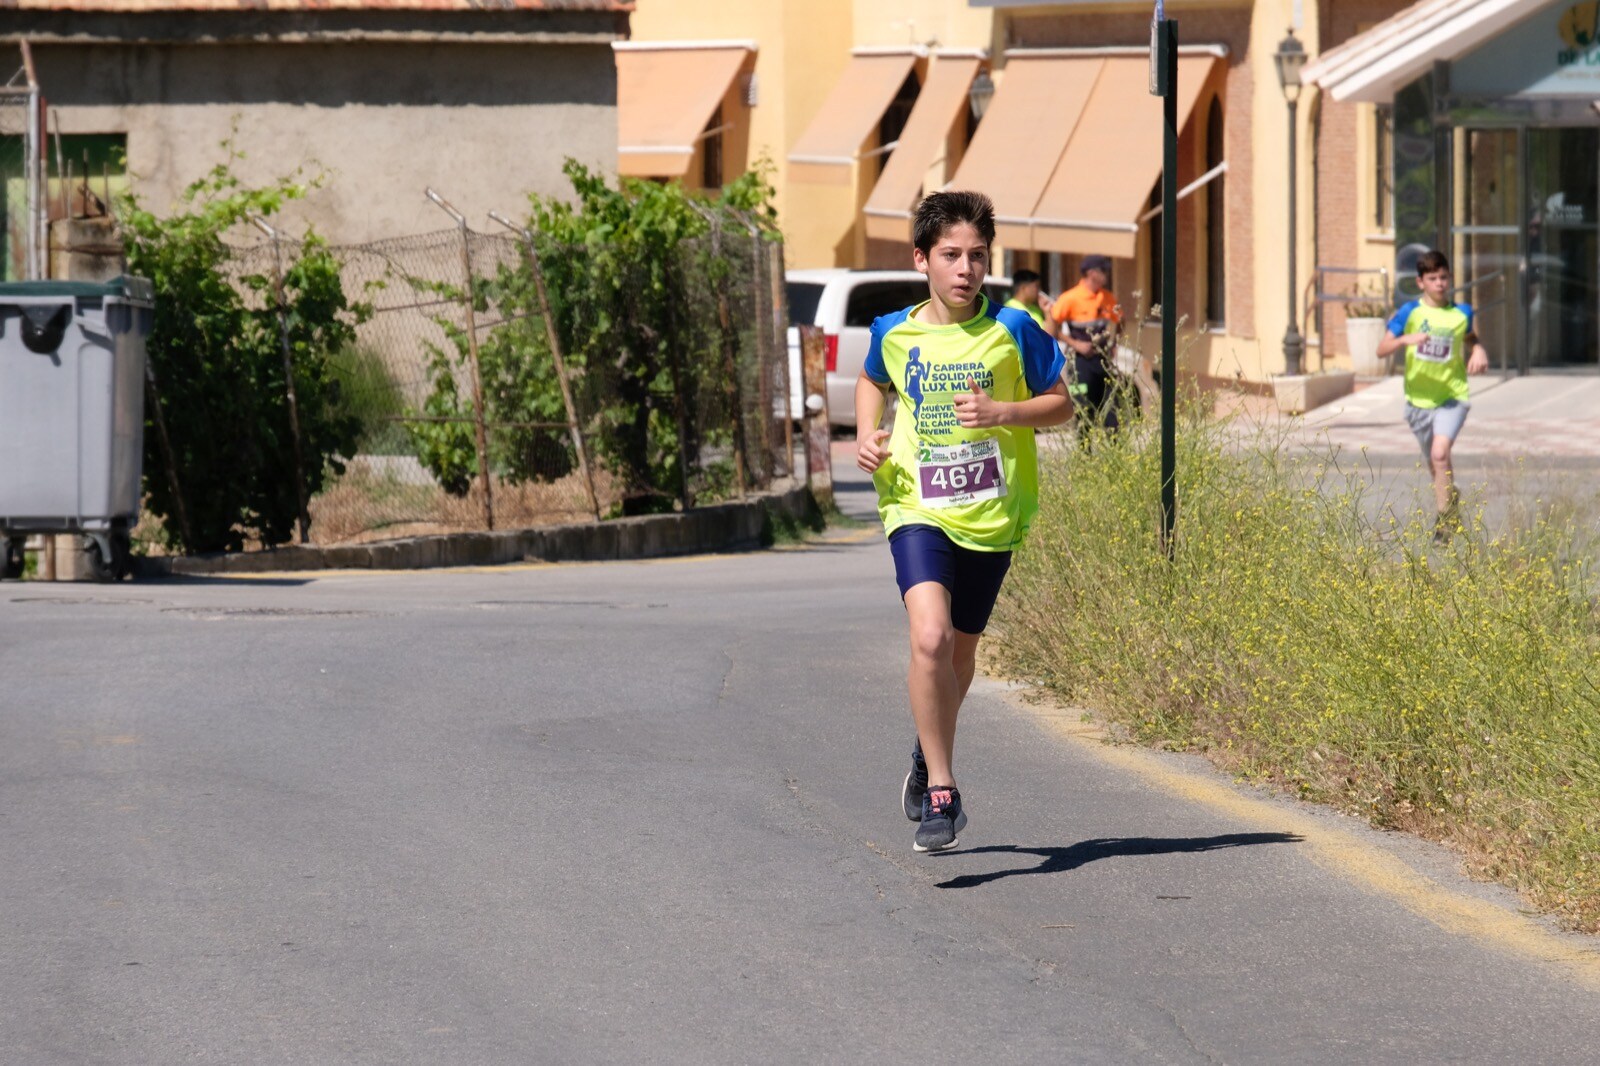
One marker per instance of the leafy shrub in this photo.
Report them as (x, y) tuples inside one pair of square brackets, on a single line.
[(369, 393), (219, 364)]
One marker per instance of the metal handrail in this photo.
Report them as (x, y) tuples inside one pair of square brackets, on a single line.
[(1316, 295)]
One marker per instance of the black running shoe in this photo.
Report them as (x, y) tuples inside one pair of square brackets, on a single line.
[(942, 819), (916, 785)]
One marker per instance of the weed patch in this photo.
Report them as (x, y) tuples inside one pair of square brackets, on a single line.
[(1309, 635)]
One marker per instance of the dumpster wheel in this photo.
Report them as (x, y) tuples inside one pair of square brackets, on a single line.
[(16, 558), (111, 555)]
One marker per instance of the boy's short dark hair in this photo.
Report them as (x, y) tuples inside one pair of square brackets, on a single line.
[(1022, 277), (939, 211), (1430, 262)]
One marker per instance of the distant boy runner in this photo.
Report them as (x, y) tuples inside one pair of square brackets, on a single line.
[(1435, 333), (958, 479), (1026, 295)]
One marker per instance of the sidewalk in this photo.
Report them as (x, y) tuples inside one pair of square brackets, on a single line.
[(1551, 416)]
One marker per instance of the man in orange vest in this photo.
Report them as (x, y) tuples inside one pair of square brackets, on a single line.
[(1091, 318)]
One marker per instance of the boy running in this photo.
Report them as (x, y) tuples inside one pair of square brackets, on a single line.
[(958, 479), (1027, 295), (1435, 333)]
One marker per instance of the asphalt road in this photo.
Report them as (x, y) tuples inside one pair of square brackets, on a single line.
[(649, 812)]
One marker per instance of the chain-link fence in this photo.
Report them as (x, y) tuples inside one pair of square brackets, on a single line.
[(21, 193), (502, 382)]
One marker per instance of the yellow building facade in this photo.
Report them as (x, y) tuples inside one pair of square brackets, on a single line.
[(865, 105)]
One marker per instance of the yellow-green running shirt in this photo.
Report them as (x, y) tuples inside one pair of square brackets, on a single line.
[(981, 486), (1436, 369)]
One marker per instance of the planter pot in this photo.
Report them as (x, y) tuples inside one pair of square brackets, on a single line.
[(1296, 394), (1361, 336)]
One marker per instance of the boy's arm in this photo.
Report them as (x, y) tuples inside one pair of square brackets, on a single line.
[(976, 409), (1391, 344), (871, 449), (1478, 361)]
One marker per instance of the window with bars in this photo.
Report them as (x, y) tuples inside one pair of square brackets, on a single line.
[(897, 115), (711, 153), (1216, 218)]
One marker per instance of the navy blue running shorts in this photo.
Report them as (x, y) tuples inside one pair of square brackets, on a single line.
[(926, 553)]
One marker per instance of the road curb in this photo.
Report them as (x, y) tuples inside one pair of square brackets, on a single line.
[(742, 524)]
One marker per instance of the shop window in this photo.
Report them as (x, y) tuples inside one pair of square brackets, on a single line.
[(1383, 168), (1216, 218), (711, 153), (896, 116)]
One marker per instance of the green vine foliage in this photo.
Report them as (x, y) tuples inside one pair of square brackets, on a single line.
[(218, 361), (520, 386), (631, 284), (631, 279)]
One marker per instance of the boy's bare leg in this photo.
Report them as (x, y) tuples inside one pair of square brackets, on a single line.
[(1444, 478), (966, 660), (933, 683)]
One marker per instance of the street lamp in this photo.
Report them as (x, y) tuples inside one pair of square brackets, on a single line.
[(1290, 57), (981, 93)]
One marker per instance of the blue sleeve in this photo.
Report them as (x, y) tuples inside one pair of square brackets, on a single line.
[(1042, 361), (1397, 324), (873, 367), (1466, 309)]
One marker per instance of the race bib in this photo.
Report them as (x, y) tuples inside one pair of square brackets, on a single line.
[(1435, 348), (956, 474)]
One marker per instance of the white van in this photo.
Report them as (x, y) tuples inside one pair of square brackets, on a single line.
[(844, 303)]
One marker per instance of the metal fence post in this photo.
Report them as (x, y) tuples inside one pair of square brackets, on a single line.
[(819, 434), (472, 350), (288, 377), (780, 337), (153, 394), (730, 367), (680, 412), (556, 355)]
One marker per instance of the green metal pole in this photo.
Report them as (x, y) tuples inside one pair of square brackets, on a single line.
[(1168, 46)]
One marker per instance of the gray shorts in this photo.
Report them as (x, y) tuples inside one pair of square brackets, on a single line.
[(1445, 421)]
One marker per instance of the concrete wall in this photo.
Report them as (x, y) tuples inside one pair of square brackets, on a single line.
[(484, 124)]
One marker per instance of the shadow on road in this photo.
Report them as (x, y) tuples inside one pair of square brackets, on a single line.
[(1060, 860)]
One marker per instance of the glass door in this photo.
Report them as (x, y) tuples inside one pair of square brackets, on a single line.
[(1487, 230), (1563, 247)]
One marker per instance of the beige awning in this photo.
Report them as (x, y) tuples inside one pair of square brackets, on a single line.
[(666, 94), (828, 147), (1103, 180), (1015, 149), (942, 102)]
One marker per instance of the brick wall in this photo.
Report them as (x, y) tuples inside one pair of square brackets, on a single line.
[(1344, 200)]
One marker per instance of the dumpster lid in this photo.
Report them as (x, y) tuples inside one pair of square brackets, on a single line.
[(122, 286)]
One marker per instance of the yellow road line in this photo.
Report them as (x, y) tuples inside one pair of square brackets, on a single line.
[(1337, 850)]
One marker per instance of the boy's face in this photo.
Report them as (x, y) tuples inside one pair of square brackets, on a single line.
[(1435, 286), (1095, 278), (956, 265), (1027, 292)]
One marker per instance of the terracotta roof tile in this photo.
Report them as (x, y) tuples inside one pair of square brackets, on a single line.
[(133, 7)]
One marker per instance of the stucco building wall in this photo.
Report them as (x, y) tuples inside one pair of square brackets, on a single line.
[(484, 124)]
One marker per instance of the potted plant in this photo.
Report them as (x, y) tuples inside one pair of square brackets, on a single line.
[(1366, 318)]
